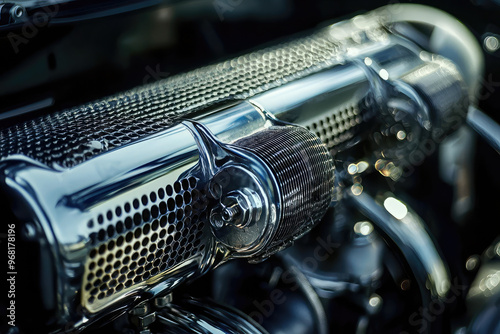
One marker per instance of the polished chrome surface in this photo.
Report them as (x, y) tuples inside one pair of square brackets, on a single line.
[(485, 127), (205, 317), (401, 225), (231, 171), (304, 172), (118, 200), (69, 137), (269, 187), (90, 196)]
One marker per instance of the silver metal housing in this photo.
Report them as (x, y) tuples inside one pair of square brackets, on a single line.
[(109, 189)]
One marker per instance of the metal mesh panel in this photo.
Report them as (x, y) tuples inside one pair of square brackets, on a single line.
[(69, 137), (143, 238), (337, 127)]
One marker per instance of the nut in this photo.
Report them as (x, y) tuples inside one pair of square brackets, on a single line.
[(161, 302), (140, 310), (143, 321)]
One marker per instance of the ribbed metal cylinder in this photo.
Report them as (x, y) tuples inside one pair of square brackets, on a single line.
[(441, 85), (305, 173)]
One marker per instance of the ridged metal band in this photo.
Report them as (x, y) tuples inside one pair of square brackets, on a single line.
[(305, 171), (441, 85)]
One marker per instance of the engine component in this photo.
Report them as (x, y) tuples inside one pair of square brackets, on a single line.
[(271, 186), (407, 230), (128, 245), (205, 316), (129, 196), (281, 300)]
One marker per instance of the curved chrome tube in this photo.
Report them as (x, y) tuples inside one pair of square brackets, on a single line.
[(205, 317), (485, 127), (450, 38), (396, 221)]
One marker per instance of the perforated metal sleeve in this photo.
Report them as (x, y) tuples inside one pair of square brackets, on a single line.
[(69, 137), (142, 239)]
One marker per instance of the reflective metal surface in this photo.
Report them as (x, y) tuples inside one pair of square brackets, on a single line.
[(131, 196), (485, 127), (205, 317), (406, 230)]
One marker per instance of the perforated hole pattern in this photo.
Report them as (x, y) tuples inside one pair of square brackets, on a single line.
[(143, 238), (69, 137), (338, 127)]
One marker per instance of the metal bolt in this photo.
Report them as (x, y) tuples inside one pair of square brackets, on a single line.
[(140, 309), (491, 43), (163, 301), (229, 213), (17, 11), (143, 321)]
